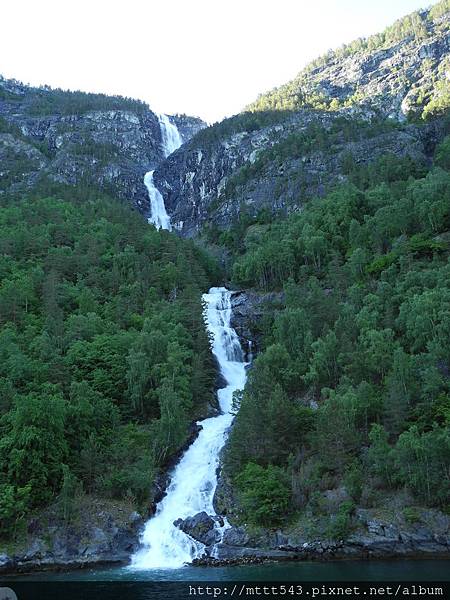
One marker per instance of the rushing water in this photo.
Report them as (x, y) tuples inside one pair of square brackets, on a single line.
[(171, 138), (158, 214), (194, 479), (171, 141)]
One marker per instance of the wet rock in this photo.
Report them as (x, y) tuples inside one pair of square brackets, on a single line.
[(162, 480), (188, 126), (248, 309), (373, 538), (201, 527), (225, 552)]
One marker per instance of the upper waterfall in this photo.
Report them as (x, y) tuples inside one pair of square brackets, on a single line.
[(194, 479), (171, 141), (171, 138)]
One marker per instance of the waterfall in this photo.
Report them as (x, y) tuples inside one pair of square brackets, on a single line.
[(171, 141), (159, 217), (194, 479), (171, 138)]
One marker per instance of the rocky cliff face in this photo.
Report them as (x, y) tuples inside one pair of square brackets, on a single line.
[(101, 532), (277, 167), (188, 126), (80, 139), (403, 71), (373, 537), (400, 71)]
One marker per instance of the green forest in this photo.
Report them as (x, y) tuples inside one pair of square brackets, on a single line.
[(341, 232), (105, 361), (352, 387)]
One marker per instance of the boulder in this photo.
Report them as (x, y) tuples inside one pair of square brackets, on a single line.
[(201, 527)]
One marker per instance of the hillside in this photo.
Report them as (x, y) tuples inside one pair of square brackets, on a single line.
[(344, 423), (53, 137), (328, 204), (293, 143), (105, 361), (329, 199), (400, 73)]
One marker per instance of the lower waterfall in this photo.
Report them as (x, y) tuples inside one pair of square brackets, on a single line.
[(194, 479)]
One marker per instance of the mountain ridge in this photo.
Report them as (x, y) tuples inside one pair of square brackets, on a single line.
[(343, 78), (78, 138)]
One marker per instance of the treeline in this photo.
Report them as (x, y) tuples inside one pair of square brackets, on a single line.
[(243, 122), (352, 389), (414, 25), (44, 100), (104, 359)]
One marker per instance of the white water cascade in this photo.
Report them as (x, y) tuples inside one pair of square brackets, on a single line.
[(171, 141), (171, 138), (159, 217), (194, 479)]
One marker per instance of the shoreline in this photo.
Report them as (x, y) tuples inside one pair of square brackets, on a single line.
[(259, 557)]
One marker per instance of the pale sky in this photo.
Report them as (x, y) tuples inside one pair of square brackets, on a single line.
[(201, 57)]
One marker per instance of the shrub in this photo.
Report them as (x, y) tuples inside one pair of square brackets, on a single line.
[(13, 506), (339, 527), (264, 494), (411, 514)]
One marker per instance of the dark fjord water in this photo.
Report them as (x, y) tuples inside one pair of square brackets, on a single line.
[(395, 570), (175, 584)]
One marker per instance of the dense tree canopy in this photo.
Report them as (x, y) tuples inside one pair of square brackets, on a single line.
[(354, 376), (104, 356)]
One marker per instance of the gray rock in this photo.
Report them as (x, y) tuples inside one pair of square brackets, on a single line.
[(104, 542), (5, 562), (236, 536), (193, 181), (332, 499), (248, 309), (111, 149), (201, 527), (224, 551)]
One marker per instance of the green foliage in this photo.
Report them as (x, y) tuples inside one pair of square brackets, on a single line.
[(339, 527), (362, 336), (442, 154), (104, 358), (70, 489), (132, 466), (380, 454), (243, 122), (269, 424), (337, 435), (354, 479), (439, 9), (422, 463), (47, 101), (33, 445), (13, 506), (411, 515), (305, 90), (439, 102), (264, 494), (316, 138)]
